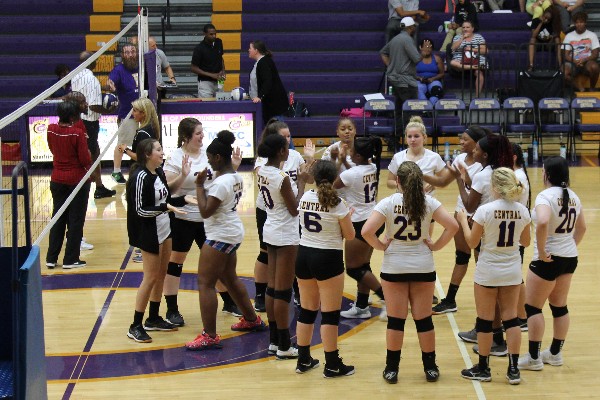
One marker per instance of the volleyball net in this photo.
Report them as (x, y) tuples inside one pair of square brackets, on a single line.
[(23, 133)]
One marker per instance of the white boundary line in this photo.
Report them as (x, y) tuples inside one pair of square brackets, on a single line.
[(461, 345)]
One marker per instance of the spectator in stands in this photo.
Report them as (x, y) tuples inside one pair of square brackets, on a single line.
[(61, 71), (468, 53), (71, 161), (545, 30), (463, 11), (582, 54), (123, 80), (265, 84), (567, 10), (401, 56), (208, 63), (88, 85), (537, 7), (495, 5), (430, 72), (398, 9)]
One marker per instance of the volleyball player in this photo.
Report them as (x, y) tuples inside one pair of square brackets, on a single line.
[(181, 168), (468, 141), (291, 167), (339, 152), (501, 225), (282, 236), (360, 184), (325, 222), (224, 234), (559, 228), (149, 228), (408, 273)]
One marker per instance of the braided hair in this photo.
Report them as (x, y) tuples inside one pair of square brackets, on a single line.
[(325, 173)]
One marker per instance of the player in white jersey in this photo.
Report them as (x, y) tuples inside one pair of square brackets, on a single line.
[(408, 274), (181, 168), (325, 221), (292, 168), (559, 228), (224, 234), (360, 184), (500, 225), (430, 162), (282, 236), (339, 152), (468, 140)]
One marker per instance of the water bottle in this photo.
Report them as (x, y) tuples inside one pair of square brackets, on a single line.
[(525, 157), (534, 149), (563, 148), (446, 151), (390, 90), (220, 84)]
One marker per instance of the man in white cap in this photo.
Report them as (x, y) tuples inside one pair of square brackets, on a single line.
[(399, 9), (400, 55)]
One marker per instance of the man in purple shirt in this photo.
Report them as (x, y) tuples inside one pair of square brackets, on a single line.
[(123, 80)]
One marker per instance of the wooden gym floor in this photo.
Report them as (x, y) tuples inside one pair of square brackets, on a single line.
[(87, 313)]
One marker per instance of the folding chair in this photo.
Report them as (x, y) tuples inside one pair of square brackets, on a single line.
[(486, 113), (375, 107), (580, 107), (454, 123), (516, 111), (416, 107), (554, 116)]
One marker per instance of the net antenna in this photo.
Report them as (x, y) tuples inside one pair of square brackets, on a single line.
[(142, 47)]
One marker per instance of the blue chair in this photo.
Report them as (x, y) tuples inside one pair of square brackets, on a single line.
[(450, 119), (418, 107), (585, 104), (486, 113), (375, 127), (515, 116), (554, 116)]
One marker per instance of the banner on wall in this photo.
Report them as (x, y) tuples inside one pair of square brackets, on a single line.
[(241, 124)]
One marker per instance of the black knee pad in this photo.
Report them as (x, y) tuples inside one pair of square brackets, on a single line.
[(358, 273), (396, 324), (330, 317), (511, 323), (285, 295), (174, 269), (263, 257), (558, 312), (531, 310), (424, 325), (270, 292), (483, 325), (307, 316), (462, 258)]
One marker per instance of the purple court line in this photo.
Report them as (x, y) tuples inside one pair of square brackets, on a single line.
[(78, 368)]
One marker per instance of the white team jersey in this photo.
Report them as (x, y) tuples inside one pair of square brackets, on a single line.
[(560, 240), (430, 164), (225, 224), (327, 155), (482, 184), (188, 187), (291, 167), (321, 225), (407, 253), (499, 262), (471, 171), (360, 190), (521, 177), (281, 228)]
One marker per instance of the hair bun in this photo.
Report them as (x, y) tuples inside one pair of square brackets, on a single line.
[(226, 137)]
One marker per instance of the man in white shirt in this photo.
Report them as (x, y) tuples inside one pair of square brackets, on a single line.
[(581, 56)]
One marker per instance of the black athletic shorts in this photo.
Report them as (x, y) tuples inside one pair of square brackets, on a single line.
[(415, 277), (319, 264), (358, 228), (186, 232), (261, 218), (552, 270), (93, 129)]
